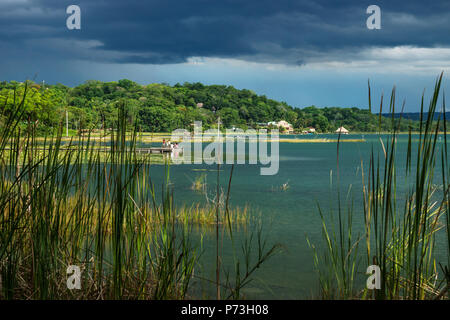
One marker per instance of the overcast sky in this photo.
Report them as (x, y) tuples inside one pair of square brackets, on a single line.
[(300, 51)]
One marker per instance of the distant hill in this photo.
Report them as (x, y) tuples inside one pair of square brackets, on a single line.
[(164, 108), (415, 115)]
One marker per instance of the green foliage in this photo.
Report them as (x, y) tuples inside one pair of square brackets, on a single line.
[(160, 107), (328, 119), (156, 107), (40, 104)]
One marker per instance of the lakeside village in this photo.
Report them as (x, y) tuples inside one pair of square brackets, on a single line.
[(283, 126), (287, 128), (179, 146), (189, 147)]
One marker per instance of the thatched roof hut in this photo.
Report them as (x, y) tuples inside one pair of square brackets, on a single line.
[(342, 130)]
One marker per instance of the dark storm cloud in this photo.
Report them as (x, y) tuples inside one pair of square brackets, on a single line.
[(166, 31)]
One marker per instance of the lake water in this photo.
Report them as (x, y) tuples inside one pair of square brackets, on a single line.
[(310, 169)]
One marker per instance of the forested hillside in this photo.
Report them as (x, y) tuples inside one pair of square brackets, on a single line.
[(163, 108)]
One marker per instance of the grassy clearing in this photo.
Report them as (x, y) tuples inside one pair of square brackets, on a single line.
[(320, 140), (149, 138)]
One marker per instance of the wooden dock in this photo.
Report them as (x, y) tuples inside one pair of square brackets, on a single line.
[(154, 150)]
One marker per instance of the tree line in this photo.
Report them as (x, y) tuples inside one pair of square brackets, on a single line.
[(163, 108)]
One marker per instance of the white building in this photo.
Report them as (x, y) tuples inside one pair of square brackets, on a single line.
[(342, 130)]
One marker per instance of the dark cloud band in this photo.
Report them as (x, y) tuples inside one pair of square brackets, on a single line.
[(166, 31)]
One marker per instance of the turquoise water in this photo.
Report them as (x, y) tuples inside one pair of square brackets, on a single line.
[(310, 169)]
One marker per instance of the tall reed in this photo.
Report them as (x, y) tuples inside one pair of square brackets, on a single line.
[(400, 227), (92, 203), (69, 204)]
